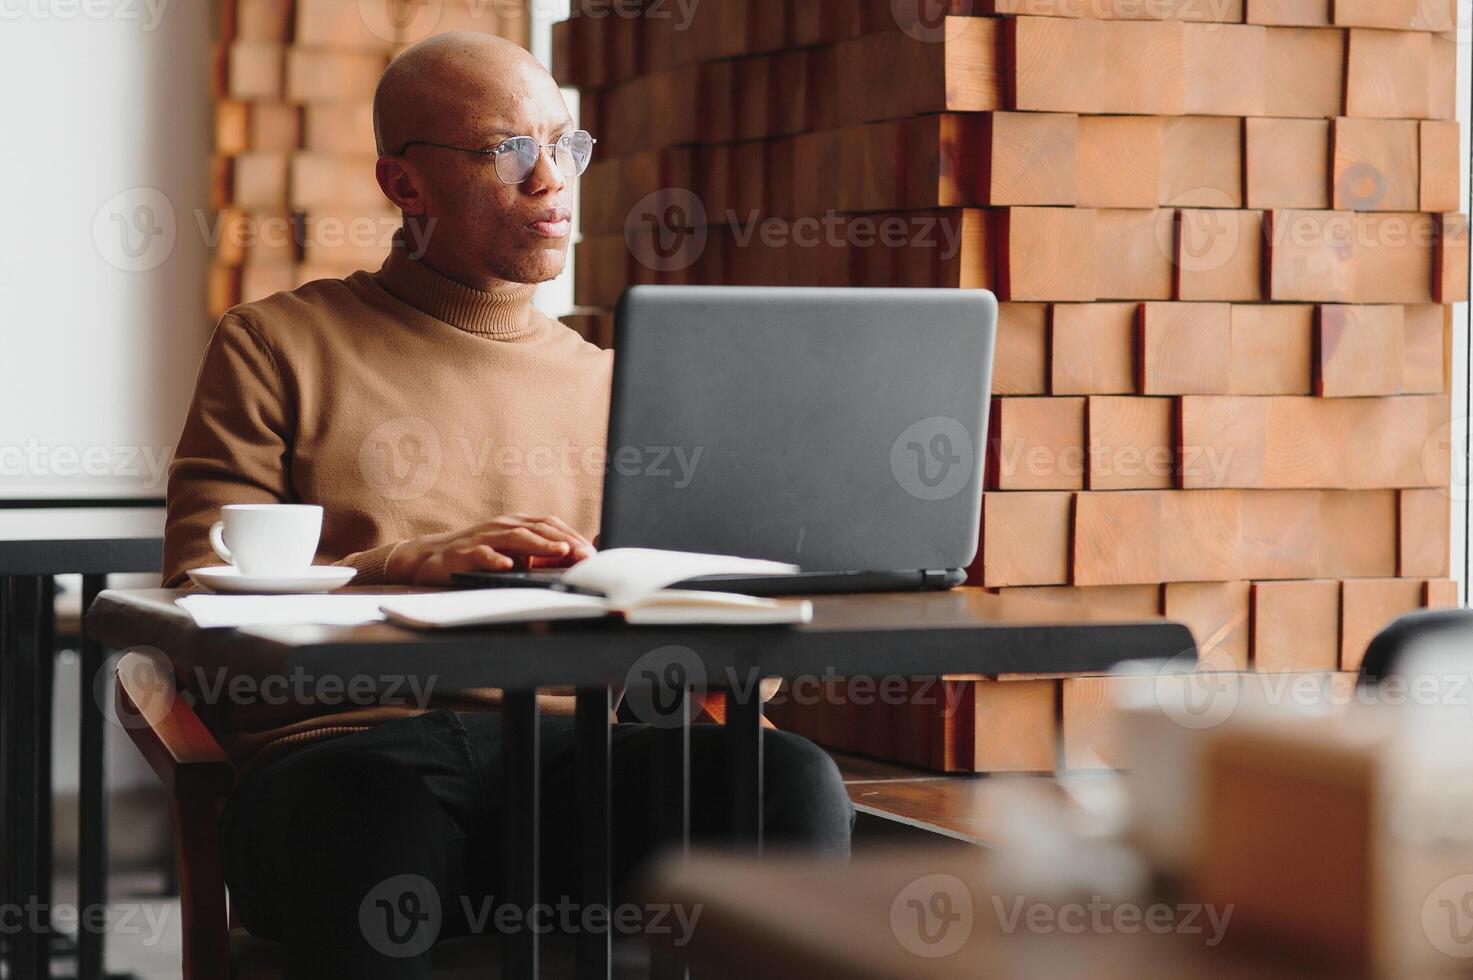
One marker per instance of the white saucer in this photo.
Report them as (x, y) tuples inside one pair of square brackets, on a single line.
[(317, 578)]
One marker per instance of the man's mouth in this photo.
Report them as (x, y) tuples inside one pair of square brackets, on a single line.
[(553, 223)]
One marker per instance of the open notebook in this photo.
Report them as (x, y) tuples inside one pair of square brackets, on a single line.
[(630, 582)]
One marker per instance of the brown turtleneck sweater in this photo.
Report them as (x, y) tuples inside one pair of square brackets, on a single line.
[(405, 404)]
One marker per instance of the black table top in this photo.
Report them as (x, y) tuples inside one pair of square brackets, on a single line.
[(965, 631), (85, 540)]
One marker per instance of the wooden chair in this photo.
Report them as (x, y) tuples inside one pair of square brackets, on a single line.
[(198, 777)]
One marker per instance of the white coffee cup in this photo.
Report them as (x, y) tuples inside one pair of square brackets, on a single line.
[(268, 539)]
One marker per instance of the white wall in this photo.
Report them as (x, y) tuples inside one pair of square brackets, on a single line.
[(1461, 382), (555, 298), (107, 112)]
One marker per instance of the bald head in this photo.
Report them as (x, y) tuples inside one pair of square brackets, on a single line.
[(453, 96), (440, 88)]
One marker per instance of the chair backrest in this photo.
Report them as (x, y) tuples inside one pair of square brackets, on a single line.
[(1411, 633)]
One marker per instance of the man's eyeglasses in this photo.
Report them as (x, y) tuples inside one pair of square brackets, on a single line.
[(517, 156)]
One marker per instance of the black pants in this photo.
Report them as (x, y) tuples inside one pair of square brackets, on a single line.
[(357, 852)]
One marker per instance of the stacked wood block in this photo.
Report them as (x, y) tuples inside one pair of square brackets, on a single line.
[(294, 196), (1226, 243)]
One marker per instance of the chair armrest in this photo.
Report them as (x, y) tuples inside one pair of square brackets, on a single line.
[(164, 727)]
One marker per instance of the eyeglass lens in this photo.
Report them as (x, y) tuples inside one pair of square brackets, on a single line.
[(517, 157)]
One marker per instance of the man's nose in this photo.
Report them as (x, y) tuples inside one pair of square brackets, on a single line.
[(547, 176)]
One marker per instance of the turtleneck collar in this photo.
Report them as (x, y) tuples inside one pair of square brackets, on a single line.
[(504, 313)]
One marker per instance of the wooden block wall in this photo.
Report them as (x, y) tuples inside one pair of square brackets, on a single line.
[(1226, 244), (294, 196)]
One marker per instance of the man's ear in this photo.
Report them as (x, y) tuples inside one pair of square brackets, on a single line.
[(400, 183)]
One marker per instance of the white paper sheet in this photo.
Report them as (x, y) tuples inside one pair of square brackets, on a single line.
[(282, 610), (434, 610), (626, 574)]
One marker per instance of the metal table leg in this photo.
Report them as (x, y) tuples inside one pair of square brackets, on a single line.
[(672, 786), (744, 765), (30, 948), (672, 801), (54, 942), (521, 798), (594, 742), (9, 798), (92, 799)]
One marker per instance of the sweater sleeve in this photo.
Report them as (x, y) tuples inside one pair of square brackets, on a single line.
[(234, 449), (372, 565)]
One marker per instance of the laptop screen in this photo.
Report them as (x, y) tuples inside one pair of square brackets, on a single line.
[(839, 429)]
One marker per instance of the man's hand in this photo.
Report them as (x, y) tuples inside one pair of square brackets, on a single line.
[(521, 541)]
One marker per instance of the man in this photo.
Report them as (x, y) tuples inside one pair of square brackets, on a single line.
[(413, 404)]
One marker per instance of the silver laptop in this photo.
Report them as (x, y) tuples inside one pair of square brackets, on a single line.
[(842, 430)]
